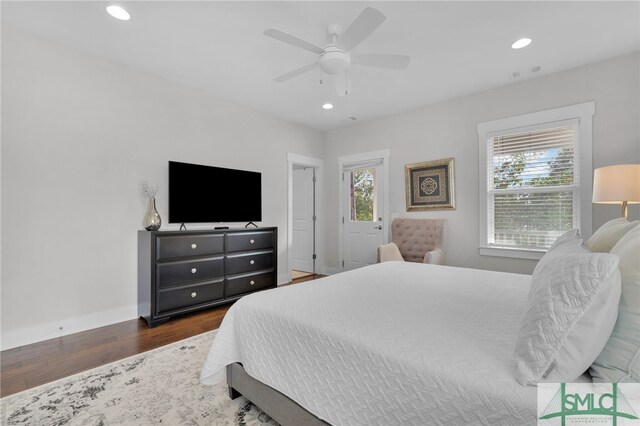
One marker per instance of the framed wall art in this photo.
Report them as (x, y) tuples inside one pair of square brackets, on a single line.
[(430, 185)]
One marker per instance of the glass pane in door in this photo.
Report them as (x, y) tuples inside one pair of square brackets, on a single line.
[(363, 195)]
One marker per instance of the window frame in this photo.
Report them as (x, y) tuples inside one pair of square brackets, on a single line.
[(583, 114)]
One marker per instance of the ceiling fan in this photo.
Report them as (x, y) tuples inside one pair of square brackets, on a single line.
[(336, 57)]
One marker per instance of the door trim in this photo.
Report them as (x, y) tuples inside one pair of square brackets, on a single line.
[(317, 164), (385, 154)]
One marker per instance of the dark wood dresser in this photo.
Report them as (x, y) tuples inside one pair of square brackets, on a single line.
[(184, 271)]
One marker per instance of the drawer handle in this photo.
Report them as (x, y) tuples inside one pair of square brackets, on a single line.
[(193, 246), (252, 241), (194, 270), (194, 294), (252, 282), (251, 262)]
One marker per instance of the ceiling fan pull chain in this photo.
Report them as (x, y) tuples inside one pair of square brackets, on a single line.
[(346, 83), (321, 70)]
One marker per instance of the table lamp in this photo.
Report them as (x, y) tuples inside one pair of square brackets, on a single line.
[(617, 184)]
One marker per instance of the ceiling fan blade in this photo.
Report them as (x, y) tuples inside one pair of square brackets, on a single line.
[(366, 23), (293, 40), (381, 60), (296, 72)]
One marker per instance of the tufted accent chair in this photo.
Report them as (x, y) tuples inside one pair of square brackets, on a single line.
[(416, 240)]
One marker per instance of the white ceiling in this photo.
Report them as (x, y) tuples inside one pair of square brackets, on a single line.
[(456, 48)]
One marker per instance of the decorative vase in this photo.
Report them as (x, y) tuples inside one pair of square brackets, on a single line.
[(152, 219)]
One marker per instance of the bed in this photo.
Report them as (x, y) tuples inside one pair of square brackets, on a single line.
[(396, 343)]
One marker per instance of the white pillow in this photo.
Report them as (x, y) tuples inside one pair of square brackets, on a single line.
[(567, 243), (619, 361), (571, 310), (568, 237), (603, 240)]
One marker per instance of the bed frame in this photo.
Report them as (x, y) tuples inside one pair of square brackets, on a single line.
[(280, 407)]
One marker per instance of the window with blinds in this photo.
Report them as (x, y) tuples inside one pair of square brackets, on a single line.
[(533, 185)]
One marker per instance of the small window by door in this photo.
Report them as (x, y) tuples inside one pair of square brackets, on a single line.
[(363, 206)]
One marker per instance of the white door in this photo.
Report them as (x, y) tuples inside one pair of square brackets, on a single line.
[(363, 202), (302, 243)]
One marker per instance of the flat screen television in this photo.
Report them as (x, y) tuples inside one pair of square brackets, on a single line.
[(202, 194)]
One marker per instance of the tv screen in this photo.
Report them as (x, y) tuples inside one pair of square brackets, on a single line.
[(200, 194)]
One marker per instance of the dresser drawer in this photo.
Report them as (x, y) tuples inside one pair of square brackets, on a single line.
[(243, 241), (172, 299), (246, 283), (176, 246), (189, 270), (247, 262)]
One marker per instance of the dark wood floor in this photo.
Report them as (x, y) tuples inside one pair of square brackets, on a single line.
[(43, 362)]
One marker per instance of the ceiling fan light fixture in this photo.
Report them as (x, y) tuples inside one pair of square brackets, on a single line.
[(118, 13), (327, 106), (334, 61), (520, 43)]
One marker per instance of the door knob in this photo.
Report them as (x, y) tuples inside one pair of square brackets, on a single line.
[(379, 227)]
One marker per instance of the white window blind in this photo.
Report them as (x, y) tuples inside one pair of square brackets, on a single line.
[(533, 185)]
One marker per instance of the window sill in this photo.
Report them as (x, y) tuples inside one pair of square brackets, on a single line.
[(519, 253)]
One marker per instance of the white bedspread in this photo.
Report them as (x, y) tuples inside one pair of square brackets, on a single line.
[(390, 344)]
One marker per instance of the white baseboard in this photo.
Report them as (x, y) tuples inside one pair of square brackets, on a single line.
[(51, 329)]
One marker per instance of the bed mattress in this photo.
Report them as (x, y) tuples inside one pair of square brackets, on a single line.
[(390, 344)]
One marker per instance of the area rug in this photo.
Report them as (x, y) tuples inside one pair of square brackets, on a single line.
[(157, 387)]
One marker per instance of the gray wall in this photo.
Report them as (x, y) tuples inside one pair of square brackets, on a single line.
[(449, 129), (79, 135)]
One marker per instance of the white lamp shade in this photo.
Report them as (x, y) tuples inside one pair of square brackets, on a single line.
[(616, 184)]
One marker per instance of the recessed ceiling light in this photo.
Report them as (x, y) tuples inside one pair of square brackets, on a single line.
[(327, 106), (118, 13), (519, 44)]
